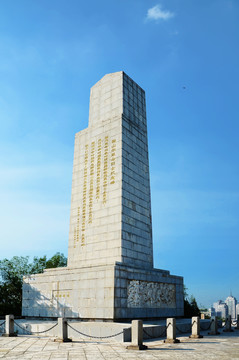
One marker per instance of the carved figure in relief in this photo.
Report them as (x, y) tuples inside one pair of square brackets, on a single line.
[(149, 294)]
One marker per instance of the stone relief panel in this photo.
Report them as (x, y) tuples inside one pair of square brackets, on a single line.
[(145, 294)]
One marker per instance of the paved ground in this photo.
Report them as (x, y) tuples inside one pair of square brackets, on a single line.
[(225, 346)]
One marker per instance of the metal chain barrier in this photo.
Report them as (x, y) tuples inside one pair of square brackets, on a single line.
[(35, 332), (162, 334), (202, 329), (184, 332), (187, 331), (234, 323), (2, 324), (95, 337)]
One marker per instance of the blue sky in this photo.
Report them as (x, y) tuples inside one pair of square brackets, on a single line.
[(185, 55)]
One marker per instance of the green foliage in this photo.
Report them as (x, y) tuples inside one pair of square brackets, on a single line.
[(190, 305), (39, 264), (11, 278), (185, 291), (58, 260), (203, 309)]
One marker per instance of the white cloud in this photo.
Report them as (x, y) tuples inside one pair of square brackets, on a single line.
[(156, 13)]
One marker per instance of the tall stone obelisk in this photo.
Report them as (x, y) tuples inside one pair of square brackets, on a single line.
[(110, 209), (110, 272)]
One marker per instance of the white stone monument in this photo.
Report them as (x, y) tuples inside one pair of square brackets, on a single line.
[(110, 272)]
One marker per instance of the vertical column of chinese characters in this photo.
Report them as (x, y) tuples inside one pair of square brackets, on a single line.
[(78, 225), (77, 228), (92, 166), (98, 169), (84, 196), (105, 170), (112, 162)]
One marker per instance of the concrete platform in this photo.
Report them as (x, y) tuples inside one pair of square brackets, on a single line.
[(223, 347)]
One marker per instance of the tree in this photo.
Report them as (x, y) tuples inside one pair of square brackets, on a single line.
[(190, 305), (11, 278), (12, 272), (39, 264), (57, 260)]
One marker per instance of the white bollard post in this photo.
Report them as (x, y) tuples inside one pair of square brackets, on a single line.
[(228, 325), (237, 327), (9, 326), (171, 331), (213, 327), (62, 331), (196, 328), (137, 336)]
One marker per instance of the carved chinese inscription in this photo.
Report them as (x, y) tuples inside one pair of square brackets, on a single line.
[(98, 169), (112, 163), (144, 294), (84, 196), (101, 175), (92, 166), (105, 170), (77, 228), (61, 294)]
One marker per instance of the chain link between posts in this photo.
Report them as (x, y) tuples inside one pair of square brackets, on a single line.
[(203, 329), (233, 323), (186, 331), (96, 337), (162, 334), (34, 332), (2, 324)]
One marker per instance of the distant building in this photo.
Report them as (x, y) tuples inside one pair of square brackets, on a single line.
[(212, 311), (231, 303), (220, 309)]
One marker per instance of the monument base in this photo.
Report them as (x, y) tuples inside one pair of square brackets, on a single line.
[(106, 292)]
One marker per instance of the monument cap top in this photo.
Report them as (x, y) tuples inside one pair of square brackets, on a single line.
[(113, 95), (116, 75)]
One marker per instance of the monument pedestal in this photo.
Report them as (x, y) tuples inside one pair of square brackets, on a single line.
[(110, 292)]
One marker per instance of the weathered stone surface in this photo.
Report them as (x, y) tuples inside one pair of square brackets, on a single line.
[(223, 347)]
